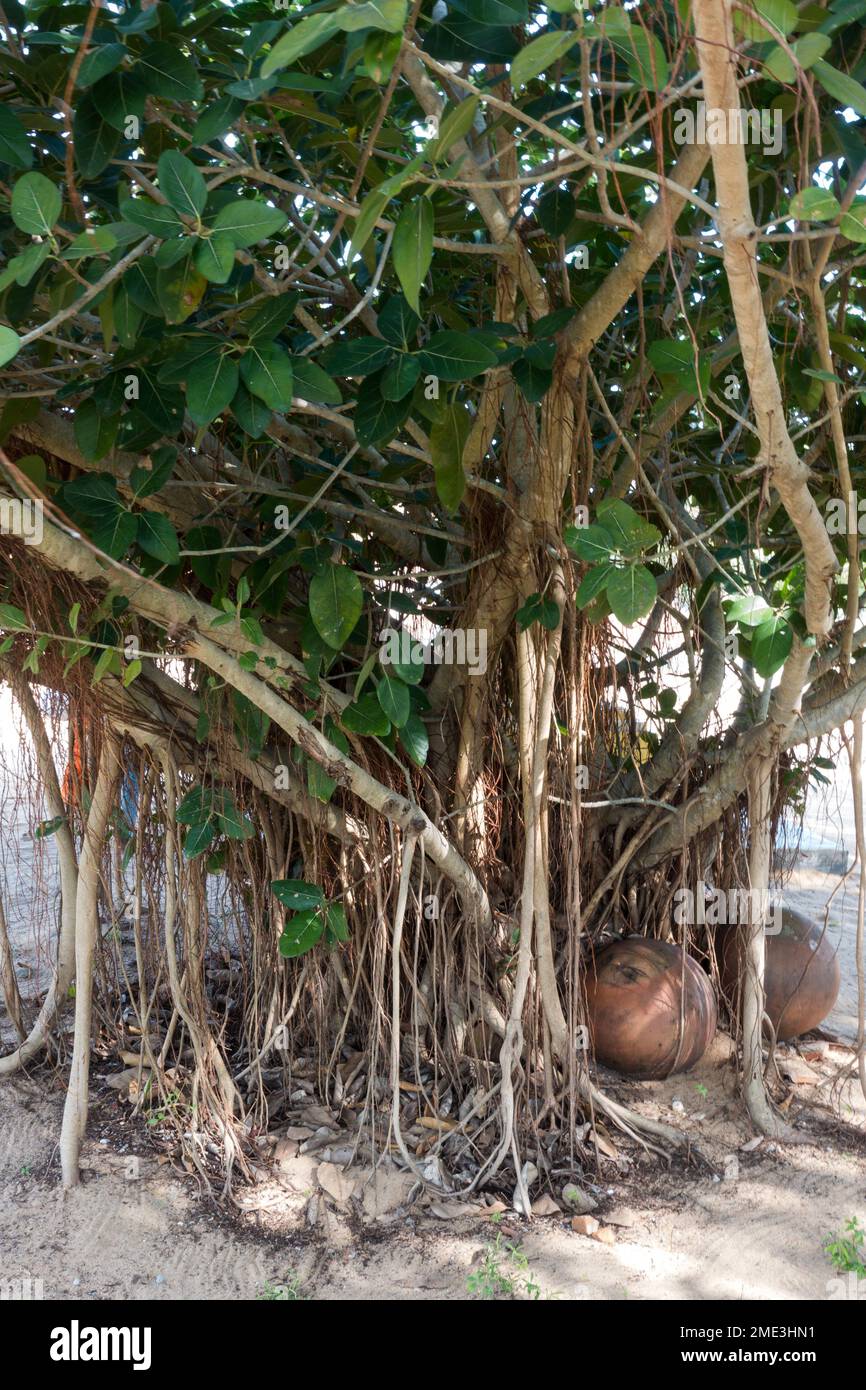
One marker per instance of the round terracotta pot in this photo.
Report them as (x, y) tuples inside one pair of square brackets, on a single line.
[(801, 975), (635, 1006)]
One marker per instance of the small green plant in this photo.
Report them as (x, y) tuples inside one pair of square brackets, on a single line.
[(701, 1089), (172, 1106), (503, 1273), (289, 1291), (846, 1252)]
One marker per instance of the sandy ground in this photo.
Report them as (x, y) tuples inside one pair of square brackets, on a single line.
[(752, 1228)]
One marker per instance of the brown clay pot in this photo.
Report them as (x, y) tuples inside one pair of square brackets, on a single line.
[(634, 998), (801, 975)]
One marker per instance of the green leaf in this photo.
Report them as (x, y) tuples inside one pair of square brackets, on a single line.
[(230, 821), (21, 269), (12, 619), (645, 59), (389, 15), (301, 933), (814, 205), (310, 383), (630, 532), (540, 54), (398, 323), (399, 379), (393, 696), (415, 739), (303, 37), (591, 542), (14, 145), (456, 122), (96, 139), (748, 611), (96, 241), (368, 215), (537, 609), (853, 223), (198, 838), (412, 247), (366, 716), (211, 384), (10, 344), (36, 204), (448, 437), (336, 923), (215, 257), (336, 602), (841, 87), (358, 357), (266, 370), (99, 62), (169, 73), (377, 420), (252, 415), (116, 533), (775, 17), (631, 592), (94, 432), (157, 537), (453, 356), (593, 583), (196, 806), (294, 893), (248, 220), (771, 642), (182, 184), (217, 119)]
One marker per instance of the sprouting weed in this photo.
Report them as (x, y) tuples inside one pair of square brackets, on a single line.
[(846, 1252), (503, 1273)]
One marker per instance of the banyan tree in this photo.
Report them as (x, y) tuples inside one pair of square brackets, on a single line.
[(431, 448)]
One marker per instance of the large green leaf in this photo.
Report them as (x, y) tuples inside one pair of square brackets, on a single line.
[(36, 204), (96, 140), (266, 369), (157, 218), (336, 602), (301, 933), (248, 220), (14, 145), (296, 894), (412, 248), (358, 357), (448, 438), (305, 36), (157, 537), (389, 15), (182, 184), (211, 383), (631, 592), (394, 698), (10, 344), (169, 73), (771, 642), (377, 419), (841, 87), (539, 55), (454, 356)]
